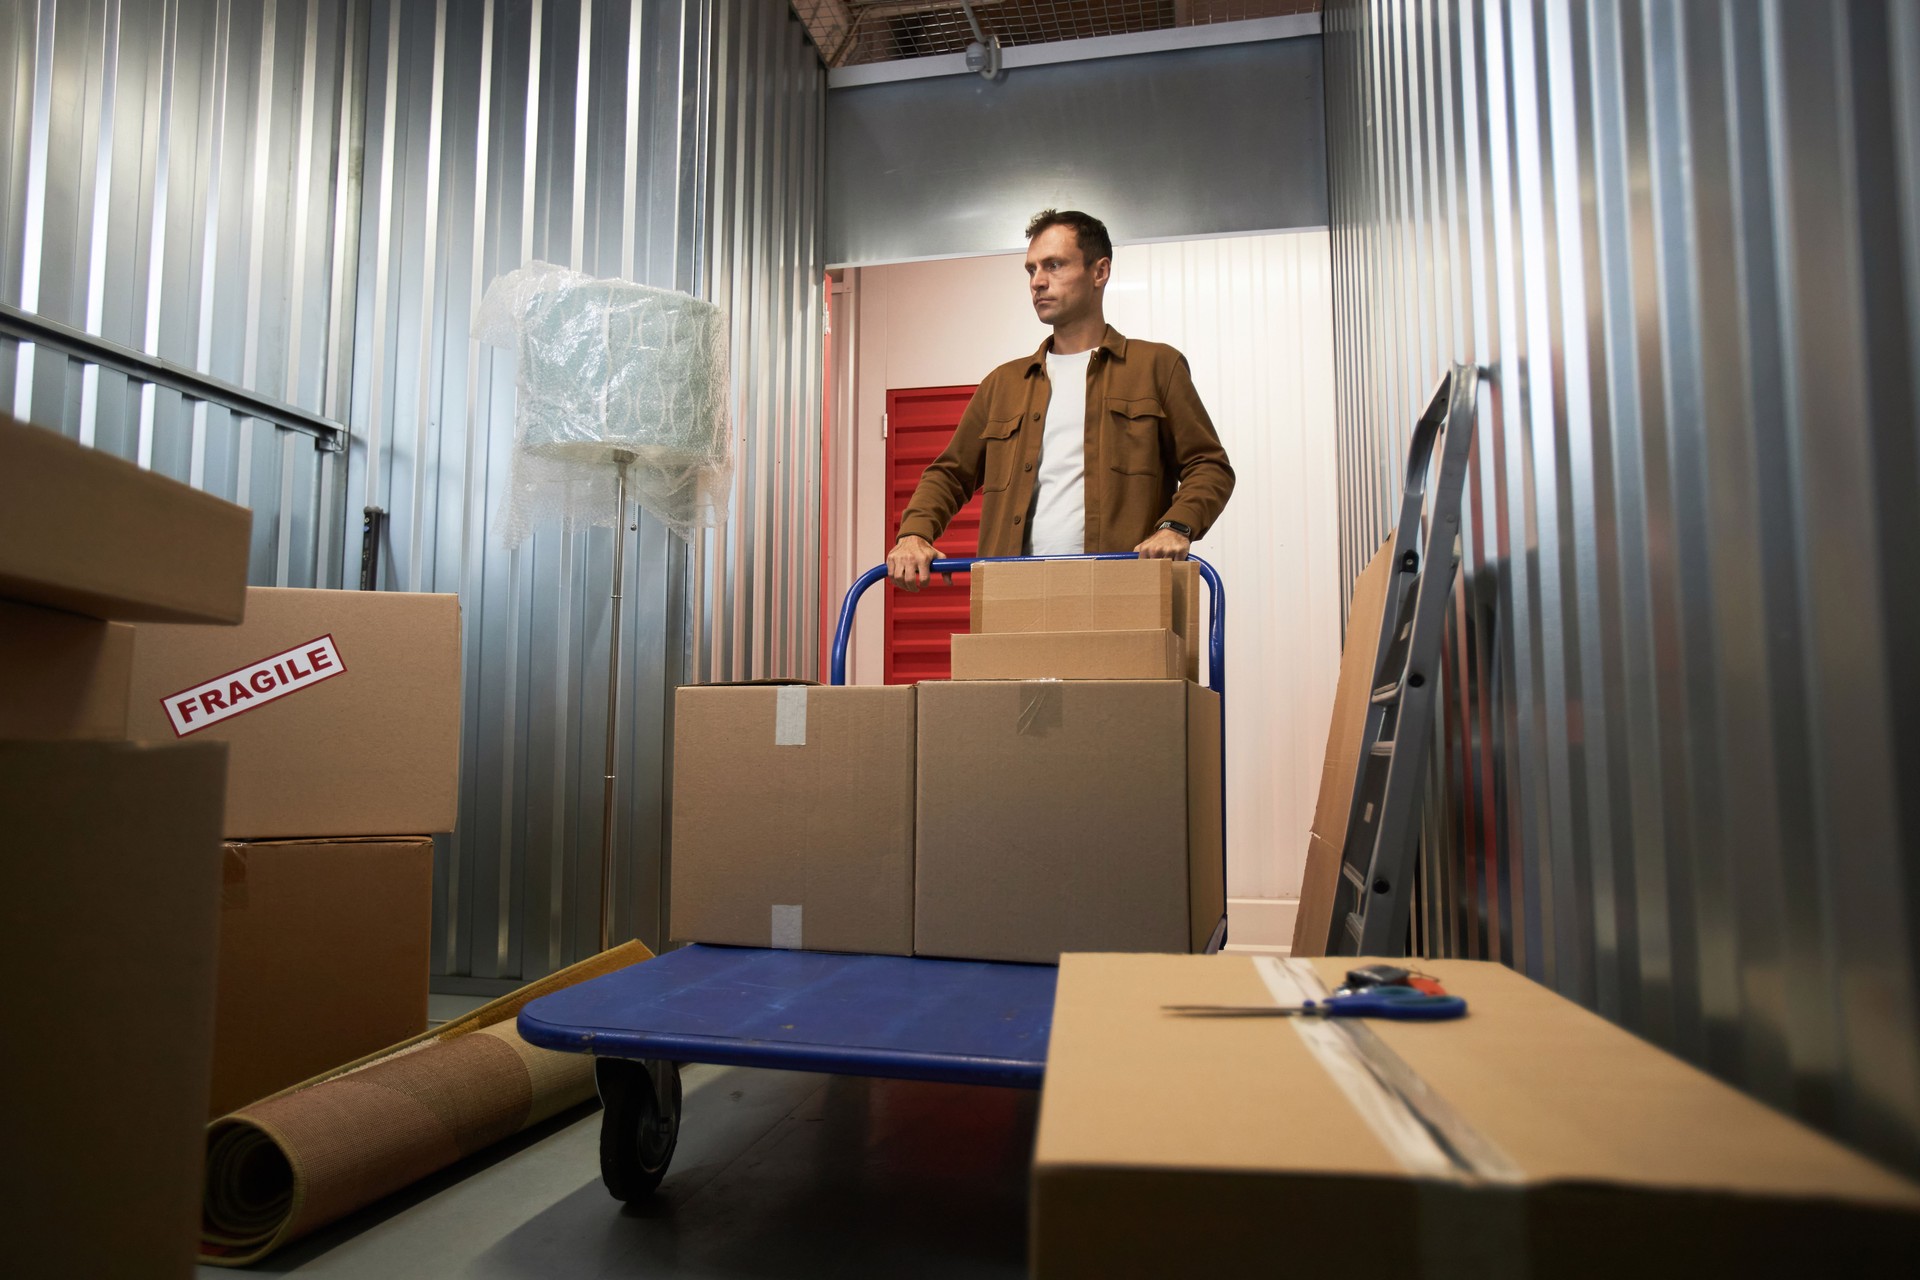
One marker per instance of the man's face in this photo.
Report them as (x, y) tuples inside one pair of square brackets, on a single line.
[(1064, 286)]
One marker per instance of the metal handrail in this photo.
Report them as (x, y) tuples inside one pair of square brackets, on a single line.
[(25, 326)]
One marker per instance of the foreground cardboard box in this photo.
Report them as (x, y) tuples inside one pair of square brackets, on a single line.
[(1070, 655), (1340, 772), (1629, 1162), (324, 955), (1067, 816), (109, 906), (793, 817), (62, 676), (342, 709), (84, 531)]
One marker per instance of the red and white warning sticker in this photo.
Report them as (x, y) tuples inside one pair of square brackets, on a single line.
[(254, 685)]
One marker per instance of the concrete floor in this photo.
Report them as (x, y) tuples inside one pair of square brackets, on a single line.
[(777, 1174)]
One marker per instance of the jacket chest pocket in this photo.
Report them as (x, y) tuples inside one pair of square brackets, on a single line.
[(1133, 435), (1001, 440)]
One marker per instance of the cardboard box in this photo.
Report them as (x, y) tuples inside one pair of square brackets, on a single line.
[(62, 676), (793, 817), (1070, 655), (1340, 772), (324, 957), (84, 531), (1623, 1160), (1067, 816), (342, 709), (1021, 596), (109, 914)]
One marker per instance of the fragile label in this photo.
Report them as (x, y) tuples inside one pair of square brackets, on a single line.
[(255, 685)]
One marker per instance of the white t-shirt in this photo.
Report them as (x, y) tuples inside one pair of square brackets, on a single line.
[(1060, 492)]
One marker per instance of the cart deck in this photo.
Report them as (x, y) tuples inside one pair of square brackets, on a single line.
[(910, 1018)]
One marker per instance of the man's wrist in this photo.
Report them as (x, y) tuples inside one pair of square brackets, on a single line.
[(1184, 530)]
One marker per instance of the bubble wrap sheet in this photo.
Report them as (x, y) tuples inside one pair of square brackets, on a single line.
[(609, 370)]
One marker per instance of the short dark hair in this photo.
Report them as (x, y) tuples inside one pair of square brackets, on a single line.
[(1091, 233)]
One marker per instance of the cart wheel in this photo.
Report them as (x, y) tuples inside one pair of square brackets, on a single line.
[(639, 1124)]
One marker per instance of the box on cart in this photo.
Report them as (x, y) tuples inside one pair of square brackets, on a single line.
[(1568, 1147), (793, 817), (1067, 815), (1070, 655), (341, 709), (1023, 596)]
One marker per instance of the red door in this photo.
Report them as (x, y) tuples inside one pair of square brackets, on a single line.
[(920, 625)]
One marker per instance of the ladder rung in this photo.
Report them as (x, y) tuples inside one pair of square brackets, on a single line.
[(1384, 748), (1387, 693), (1353, 927), (1354, 878)]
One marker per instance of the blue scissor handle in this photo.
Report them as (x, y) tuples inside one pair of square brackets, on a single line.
[(1398, 1004)]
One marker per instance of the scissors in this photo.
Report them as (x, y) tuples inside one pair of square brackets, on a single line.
[(1397, 1004)]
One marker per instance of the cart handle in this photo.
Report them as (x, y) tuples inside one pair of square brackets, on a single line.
[(1216, 609)]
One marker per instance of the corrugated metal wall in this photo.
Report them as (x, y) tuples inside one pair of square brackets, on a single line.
[(1683, 731), (307, 198), (176, 179), (677, 144)]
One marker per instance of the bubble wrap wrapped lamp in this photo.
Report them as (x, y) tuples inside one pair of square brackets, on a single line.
[(617, 382)]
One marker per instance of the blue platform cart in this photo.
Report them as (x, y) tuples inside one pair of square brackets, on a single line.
[(904, 1017)]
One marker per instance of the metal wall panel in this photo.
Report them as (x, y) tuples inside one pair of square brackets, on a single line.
[(1178, 144), (176, 179), (1681, 740), (673, 143)]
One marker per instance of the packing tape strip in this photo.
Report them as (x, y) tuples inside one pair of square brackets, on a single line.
[(787, 928), (1042, 705), (1472, 1214), (1419, 1126), (790, 716)]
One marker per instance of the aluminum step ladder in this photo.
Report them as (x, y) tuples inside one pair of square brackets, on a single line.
[(1374, 893)]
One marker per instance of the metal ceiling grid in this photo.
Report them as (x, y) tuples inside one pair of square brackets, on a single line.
[(856, 32)]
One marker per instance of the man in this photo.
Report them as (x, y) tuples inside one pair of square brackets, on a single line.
[(1094, 443)]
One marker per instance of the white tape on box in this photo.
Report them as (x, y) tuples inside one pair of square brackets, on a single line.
[(787, 931), (790, 717)]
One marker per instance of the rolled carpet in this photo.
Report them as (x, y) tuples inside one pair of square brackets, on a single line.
[(282, 1167)]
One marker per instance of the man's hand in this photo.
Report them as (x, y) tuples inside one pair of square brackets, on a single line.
[(1165, 544), (908, 564)]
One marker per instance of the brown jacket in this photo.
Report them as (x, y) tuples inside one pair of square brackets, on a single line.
[(1152, 454)]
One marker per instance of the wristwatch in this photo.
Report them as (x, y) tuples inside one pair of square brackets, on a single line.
[(1185, 531)]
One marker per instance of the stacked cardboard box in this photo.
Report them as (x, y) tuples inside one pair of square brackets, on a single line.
[(109, 860), (818, 853), (1082, 620), (1062, 793), (340, 712)]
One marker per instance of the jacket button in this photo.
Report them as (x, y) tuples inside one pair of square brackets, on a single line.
[(1036, 417), (1016, 519), (1029, 466)]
